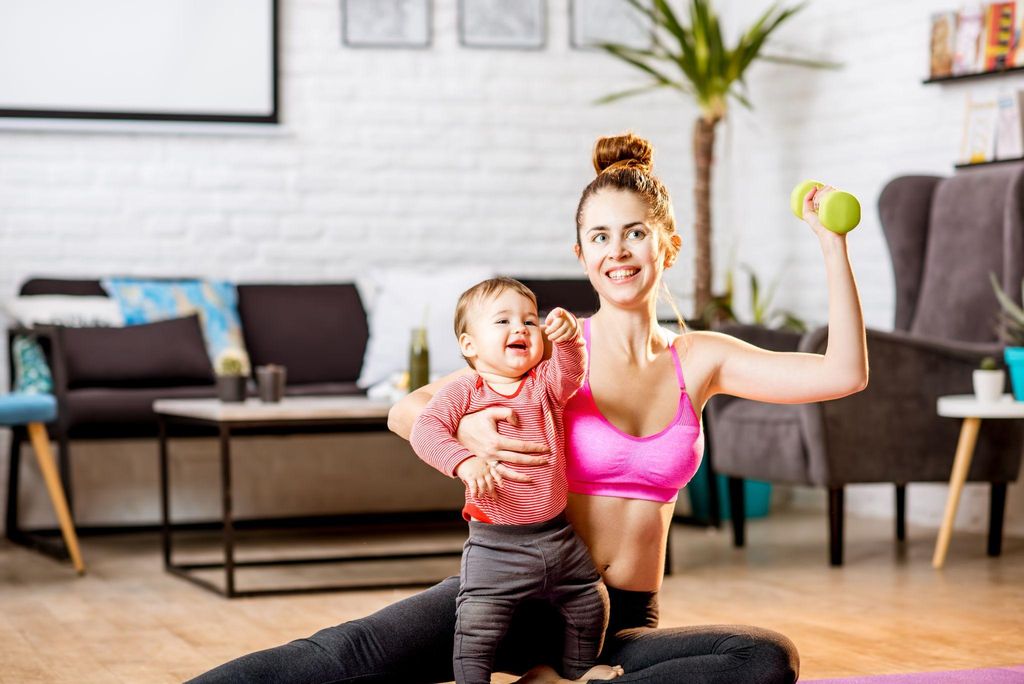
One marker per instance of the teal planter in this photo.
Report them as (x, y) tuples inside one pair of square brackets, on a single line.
[(756, 495), (1014, 357)]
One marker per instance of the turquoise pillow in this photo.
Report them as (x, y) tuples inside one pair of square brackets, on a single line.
[(31, 372), (216, 302)]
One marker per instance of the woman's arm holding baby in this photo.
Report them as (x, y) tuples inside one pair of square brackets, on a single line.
[(478, 431)]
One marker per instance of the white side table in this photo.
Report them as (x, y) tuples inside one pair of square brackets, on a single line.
[(968, 407)]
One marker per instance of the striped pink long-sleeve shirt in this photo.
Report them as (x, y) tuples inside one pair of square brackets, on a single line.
[(538, 404)]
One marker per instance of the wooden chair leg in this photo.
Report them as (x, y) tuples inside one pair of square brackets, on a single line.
[(44, 454), (901, 512), (738, 511), (996, 510), (64, 467), (835, 525)]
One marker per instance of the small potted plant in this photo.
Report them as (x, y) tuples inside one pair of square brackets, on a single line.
[(232, 368), (989, 380), (1011, 330)]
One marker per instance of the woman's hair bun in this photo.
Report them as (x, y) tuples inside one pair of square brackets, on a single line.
[(623, 150)]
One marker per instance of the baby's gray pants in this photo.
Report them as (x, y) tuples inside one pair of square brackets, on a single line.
[(505, 564)]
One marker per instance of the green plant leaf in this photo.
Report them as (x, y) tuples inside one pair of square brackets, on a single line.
[(1010, 309), (792, 322), (627, 55), (629, 93), (801, 62)]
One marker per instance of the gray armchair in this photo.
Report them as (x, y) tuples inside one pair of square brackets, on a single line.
[(945, 235)]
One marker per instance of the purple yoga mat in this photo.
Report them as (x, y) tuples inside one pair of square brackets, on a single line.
[(1008, 674)]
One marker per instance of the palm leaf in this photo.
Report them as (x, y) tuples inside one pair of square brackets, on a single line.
[(708, 67), (628, 55), (800, 62), (629, 93)]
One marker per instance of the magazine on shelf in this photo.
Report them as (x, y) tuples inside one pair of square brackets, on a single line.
[(979, 139), (969, 27), (1010, 125), (998, 35), (943, 44)]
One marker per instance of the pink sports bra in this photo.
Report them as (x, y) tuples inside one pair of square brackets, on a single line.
[(605, 461)]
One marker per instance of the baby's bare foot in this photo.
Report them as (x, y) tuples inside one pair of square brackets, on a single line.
[(601, 672), (542, 674)]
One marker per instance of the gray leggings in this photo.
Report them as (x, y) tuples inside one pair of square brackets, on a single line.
[(504, 565), (410, 642)]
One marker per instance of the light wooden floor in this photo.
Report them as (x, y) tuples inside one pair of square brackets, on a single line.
[(886, 611)]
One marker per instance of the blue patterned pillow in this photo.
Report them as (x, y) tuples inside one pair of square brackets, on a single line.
[(31, 372), (216, 302)]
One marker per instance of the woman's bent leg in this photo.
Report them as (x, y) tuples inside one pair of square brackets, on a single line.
[(409, 641), (716, 654)]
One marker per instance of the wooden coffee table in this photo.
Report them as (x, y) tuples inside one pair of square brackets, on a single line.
[(293, 415)]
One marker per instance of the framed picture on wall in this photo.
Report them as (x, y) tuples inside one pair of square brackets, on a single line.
[(592, 22), (516, 24), (112, 62), (386, 23)]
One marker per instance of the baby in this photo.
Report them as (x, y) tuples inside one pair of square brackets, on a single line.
[(520, 543)]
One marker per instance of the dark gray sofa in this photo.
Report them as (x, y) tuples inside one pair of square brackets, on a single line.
[(106, 379)]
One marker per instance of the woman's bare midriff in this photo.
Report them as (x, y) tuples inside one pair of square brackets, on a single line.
[(626, 538)]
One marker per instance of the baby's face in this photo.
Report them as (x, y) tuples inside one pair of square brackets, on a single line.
[(504, 335)]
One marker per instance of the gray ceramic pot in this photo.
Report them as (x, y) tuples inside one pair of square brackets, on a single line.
[(231, 388)]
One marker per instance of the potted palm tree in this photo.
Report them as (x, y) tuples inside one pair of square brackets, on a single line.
[(692, 58)]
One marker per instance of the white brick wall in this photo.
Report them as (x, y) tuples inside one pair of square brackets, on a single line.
[(450, 155)]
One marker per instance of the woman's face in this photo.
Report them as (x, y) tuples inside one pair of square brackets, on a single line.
[(621, 249)]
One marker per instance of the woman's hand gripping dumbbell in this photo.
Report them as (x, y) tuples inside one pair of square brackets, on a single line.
[(837, 210)]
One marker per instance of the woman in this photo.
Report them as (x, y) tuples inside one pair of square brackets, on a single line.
[(632, 438)]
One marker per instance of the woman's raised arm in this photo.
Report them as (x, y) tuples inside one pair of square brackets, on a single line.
[(744, 370)]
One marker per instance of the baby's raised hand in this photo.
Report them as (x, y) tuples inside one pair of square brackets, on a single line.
[(481, 476), (560, 325)]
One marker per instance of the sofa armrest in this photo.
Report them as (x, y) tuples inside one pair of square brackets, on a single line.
[(969, 352), (894, 419)]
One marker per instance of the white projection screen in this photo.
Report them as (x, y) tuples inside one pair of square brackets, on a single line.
[(148, 60)]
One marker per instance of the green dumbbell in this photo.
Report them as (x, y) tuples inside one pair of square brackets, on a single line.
[(837, 210)]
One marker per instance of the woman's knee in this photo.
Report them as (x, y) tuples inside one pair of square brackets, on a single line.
[(776, 656)]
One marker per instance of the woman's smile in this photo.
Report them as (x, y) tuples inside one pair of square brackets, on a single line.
[(622, 274)]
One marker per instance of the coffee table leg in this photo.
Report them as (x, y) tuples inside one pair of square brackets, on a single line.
[(961, 464), (165, 502), (229, 525)]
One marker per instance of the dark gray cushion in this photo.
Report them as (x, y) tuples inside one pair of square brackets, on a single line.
[(121, 411), (967, 224), (576, 295), (62, 286), (317, 332), (163, 354)]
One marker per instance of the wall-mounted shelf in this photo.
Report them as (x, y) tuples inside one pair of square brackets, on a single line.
[(971, 77), (989, 163)]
